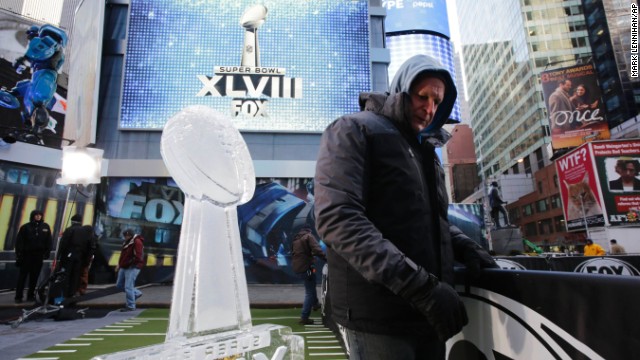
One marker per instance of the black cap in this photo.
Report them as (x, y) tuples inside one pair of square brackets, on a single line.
[(494, 183), (589, 241), (76, 218), (128, 232)]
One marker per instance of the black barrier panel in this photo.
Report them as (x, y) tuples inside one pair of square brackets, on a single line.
[(541, 314), (607, 265), (595, 311), (523, 263)]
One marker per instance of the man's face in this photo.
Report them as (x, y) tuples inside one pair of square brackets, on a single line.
[(566, 86), (37, 217), (426, 94), (628, 172)]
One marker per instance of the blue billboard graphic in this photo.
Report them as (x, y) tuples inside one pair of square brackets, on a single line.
[(273, 66), (404, 15)]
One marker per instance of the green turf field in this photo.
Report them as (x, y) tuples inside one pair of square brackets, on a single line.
[(150, 326)]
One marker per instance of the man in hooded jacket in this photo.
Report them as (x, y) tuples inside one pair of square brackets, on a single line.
[(381, 208), (33, 245), (76, 248)]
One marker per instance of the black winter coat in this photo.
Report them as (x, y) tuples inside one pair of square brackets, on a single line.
[(380, 197), (33, 237)]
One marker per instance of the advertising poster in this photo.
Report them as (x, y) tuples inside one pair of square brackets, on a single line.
[(153, 207), (618, 165), (579, 190), (272, 65), (574, 104), (25, 87)]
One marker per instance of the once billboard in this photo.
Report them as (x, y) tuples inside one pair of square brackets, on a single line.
[(275, 66), (574, 104)]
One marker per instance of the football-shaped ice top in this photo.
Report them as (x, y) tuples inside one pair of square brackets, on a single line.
[(207, 157), (253, 17)]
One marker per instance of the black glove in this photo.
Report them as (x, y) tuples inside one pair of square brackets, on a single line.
[(45, 256), (476, 258), (18, 262), (438, 302)]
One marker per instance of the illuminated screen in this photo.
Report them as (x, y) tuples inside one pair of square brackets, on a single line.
[(292, 66), (403, 15)]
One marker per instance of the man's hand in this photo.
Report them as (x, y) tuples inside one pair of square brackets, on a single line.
[(438, 302), (476, 258)]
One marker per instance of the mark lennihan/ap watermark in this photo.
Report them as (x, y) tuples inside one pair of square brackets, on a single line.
[(634, 40)]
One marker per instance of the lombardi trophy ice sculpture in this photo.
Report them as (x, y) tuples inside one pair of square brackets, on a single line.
[(210, 319), (251, 20)]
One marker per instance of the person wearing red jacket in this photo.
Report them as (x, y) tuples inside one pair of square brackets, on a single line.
[(129, 265)]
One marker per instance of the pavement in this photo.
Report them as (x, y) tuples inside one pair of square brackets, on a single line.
[(159, 296), (102, 302)]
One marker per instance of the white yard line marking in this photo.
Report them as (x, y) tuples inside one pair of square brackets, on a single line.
[(312, 332), (86, 339), (40, 358), (326, 354), (321, 341), (134, 334), (323, 347), (55, 351), (74, 344), (321, 336), (114, 330), (120, 326)]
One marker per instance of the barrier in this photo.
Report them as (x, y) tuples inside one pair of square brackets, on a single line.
[(607, 265), (536, 314)]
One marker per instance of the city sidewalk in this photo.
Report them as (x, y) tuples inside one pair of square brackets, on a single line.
[(159, 296)]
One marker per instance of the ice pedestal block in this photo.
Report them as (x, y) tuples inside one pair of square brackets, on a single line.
[(207, 157), (263, 342)]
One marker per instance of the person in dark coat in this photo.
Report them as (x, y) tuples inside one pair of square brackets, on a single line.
[(33, 246), (305, 247), (76, 247), (381, 209)]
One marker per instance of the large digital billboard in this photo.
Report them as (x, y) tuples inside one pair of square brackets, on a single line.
[(404, 15), (283, 65)]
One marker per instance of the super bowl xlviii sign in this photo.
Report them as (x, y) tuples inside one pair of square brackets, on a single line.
[(248, 82)]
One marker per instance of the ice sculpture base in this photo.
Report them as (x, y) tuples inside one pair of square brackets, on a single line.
[(262, 342)]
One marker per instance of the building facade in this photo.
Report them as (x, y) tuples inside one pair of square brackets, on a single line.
[(502, 64)]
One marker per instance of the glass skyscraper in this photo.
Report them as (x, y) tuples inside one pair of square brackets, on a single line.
[(506, 44)]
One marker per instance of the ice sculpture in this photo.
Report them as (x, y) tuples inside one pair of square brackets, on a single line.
[(210, 319)]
